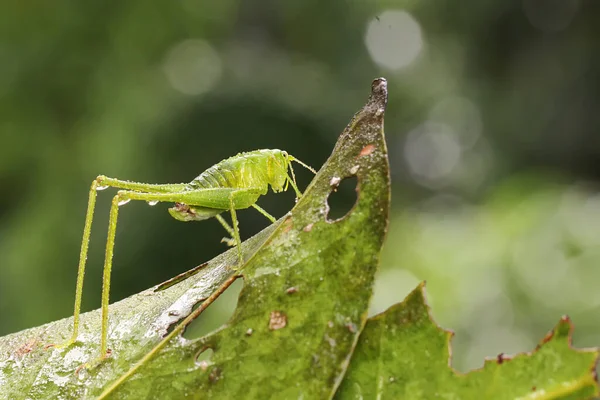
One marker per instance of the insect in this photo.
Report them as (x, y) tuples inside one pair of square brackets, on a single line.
[(233, 184)]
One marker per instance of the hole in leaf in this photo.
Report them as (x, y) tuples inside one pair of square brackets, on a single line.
[(216, 314), (342, 197), (204, 356)]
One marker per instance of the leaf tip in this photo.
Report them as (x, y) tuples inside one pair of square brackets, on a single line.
[(379, 94)]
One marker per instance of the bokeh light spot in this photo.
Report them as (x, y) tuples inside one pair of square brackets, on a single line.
[(193, 67), (394, 39), (462, 115), (432, 151)]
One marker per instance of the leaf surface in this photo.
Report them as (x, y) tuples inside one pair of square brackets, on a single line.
[(403, 354), (307, 285)]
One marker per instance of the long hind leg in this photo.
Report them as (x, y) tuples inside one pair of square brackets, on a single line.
[(105, 181), (202, 197), (87, 229), (102, 182)]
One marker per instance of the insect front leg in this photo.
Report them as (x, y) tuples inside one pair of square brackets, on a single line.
[(215, 198), (229, 241), (239, 199)]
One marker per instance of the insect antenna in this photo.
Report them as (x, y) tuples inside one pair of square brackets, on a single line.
[(301, 163), (292, 181)]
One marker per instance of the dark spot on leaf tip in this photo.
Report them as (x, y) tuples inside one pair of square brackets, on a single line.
[(533, 388), (379, 85), (277, 320)]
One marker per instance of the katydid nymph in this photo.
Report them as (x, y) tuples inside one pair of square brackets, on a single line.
[(233, 184)]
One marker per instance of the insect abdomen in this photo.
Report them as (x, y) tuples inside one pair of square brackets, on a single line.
[(216, 177), (245, 170)]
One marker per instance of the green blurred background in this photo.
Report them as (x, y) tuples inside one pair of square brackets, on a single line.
[(493, 128)]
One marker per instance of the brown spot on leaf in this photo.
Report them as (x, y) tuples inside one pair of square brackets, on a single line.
[(277, 320), (308, 228), (502, 358), (287, 225), (79, 369), (26, 347), (351, 327), (214, 375), (368, 149), (291, 290), (548, 337)]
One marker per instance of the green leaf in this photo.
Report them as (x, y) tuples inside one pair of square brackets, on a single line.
[(306, 291), (403, 354)]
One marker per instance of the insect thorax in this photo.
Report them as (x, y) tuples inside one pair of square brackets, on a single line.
[(255, 169)]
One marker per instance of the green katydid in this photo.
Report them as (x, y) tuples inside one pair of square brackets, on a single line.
[(232, 184)]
